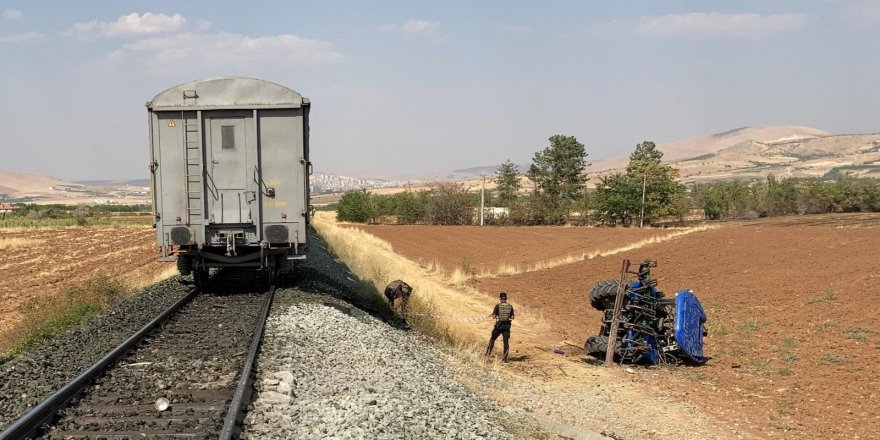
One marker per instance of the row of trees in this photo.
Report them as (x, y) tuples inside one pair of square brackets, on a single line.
[(646, 192), (558, 188), (446, 203), (772, 197)]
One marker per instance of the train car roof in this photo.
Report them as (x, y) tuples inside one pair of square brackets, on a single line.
[(227, 93)]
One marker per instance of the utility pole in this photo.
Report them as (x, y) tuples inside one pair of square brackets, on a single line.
[(482, 200), (644, 189), (615, 316)]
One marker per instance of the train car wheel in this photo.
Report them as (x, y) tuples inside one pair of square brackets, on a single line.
[(200, 277)]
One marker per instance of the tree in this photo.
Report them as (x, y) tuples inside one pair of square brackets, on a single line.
[(357, 206), (662, 192), (557, 173), (617, 200), (81, 215), (507, 183), (410, 207), (645, 155), (450, 204), (618, 197), (774, 197)]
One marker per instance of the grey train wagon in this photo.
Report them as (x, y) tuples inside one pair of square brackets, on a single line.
[(229, 162)]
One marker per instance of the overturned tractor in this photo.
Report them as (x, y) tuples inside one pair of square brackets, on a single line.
[(652, 329)]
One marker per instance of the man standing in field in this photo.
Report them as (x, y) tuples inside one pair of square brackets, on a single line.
[(503, 314)]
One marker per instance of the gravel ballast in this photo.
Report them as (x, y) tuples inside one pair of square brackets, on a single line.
[(31, 377), (325, 373)]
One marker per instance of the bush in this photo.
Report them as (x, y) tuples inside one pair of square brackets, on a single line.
[(81, 214), (450, 204), (357, 206)]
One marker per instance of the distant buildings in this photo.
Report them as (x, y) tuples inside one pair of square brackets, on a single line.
[(8, 207), (327, 183)]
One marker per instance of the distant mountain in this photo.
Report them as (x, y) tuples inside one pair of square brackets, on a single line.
[(675, 151), (695, 147), (40, 188), (20, 184), (475, 172), (142, 183), (824, 157)]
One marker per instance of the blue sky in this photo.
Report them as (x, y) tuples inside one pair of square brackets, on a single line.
[(418, 87)]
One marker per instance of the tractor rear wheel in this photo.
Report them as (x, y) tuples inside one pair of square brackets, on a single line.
[(603, 294), (596, 346)]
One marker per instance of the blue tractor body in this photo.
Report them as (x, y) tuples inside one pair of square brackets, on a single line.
[(652, 329), (689, 325)]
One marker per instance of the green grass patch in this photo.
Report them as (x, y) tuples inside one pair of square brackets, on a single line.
[(760, 367), (45, 318), (828, 295), (787, 350), (717, 329), (859, 334), (753, 325), (831, 358)]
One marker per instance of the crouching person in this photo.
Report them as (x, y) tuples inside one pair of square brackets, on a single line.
[(503, 314), (398, 292)]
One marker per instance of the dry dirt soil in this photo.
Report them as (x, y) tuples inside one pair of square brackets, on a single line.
[(486, 248), (37, 263), (794, 338)]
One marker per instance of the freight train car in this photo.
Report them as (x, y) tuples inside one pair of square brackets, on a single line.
[(229, 168)]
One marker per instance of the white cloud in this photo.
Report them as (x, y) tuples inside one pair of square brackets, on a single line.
[(131, 24), (714, 24), (23, 38), (225, 51), (518, 30), (13, 14), (422, 28), (866, 13), (203, 25)]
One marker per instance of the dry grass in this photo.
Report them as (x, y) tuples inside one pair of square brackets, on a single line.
[(449, 313), (43, 318), (7, 244), (141, 280), (508, 269)]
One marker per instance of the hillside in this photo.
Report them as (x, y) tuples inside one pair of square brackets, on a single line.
[(24, 184), (700, 146), (40, 188), (830, 156)]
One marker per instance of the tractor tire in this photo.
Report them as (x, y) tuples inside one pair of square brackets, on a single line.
[(596, 346), (603, 294)]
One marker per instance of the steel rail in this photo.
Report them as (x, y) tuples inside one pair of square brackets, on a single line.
[(245, 381), (28, 424)]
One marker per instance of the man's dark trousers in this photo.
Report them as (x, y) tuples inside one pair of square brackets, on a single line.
[(501, 328)]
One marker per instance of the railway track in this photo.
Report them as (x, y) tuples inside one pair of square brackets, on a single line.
[(186, 374)]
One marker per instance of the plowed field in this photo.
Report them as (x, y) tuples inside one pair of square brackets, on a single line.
[(488, 248), (37, 263), (794, 334)]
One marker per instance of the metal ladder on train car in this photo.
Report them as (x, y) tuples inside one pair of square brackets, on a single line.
[(194, 170)]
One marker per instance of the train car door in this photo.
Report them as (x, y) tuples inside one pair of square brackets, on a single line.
[(227, 169)]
